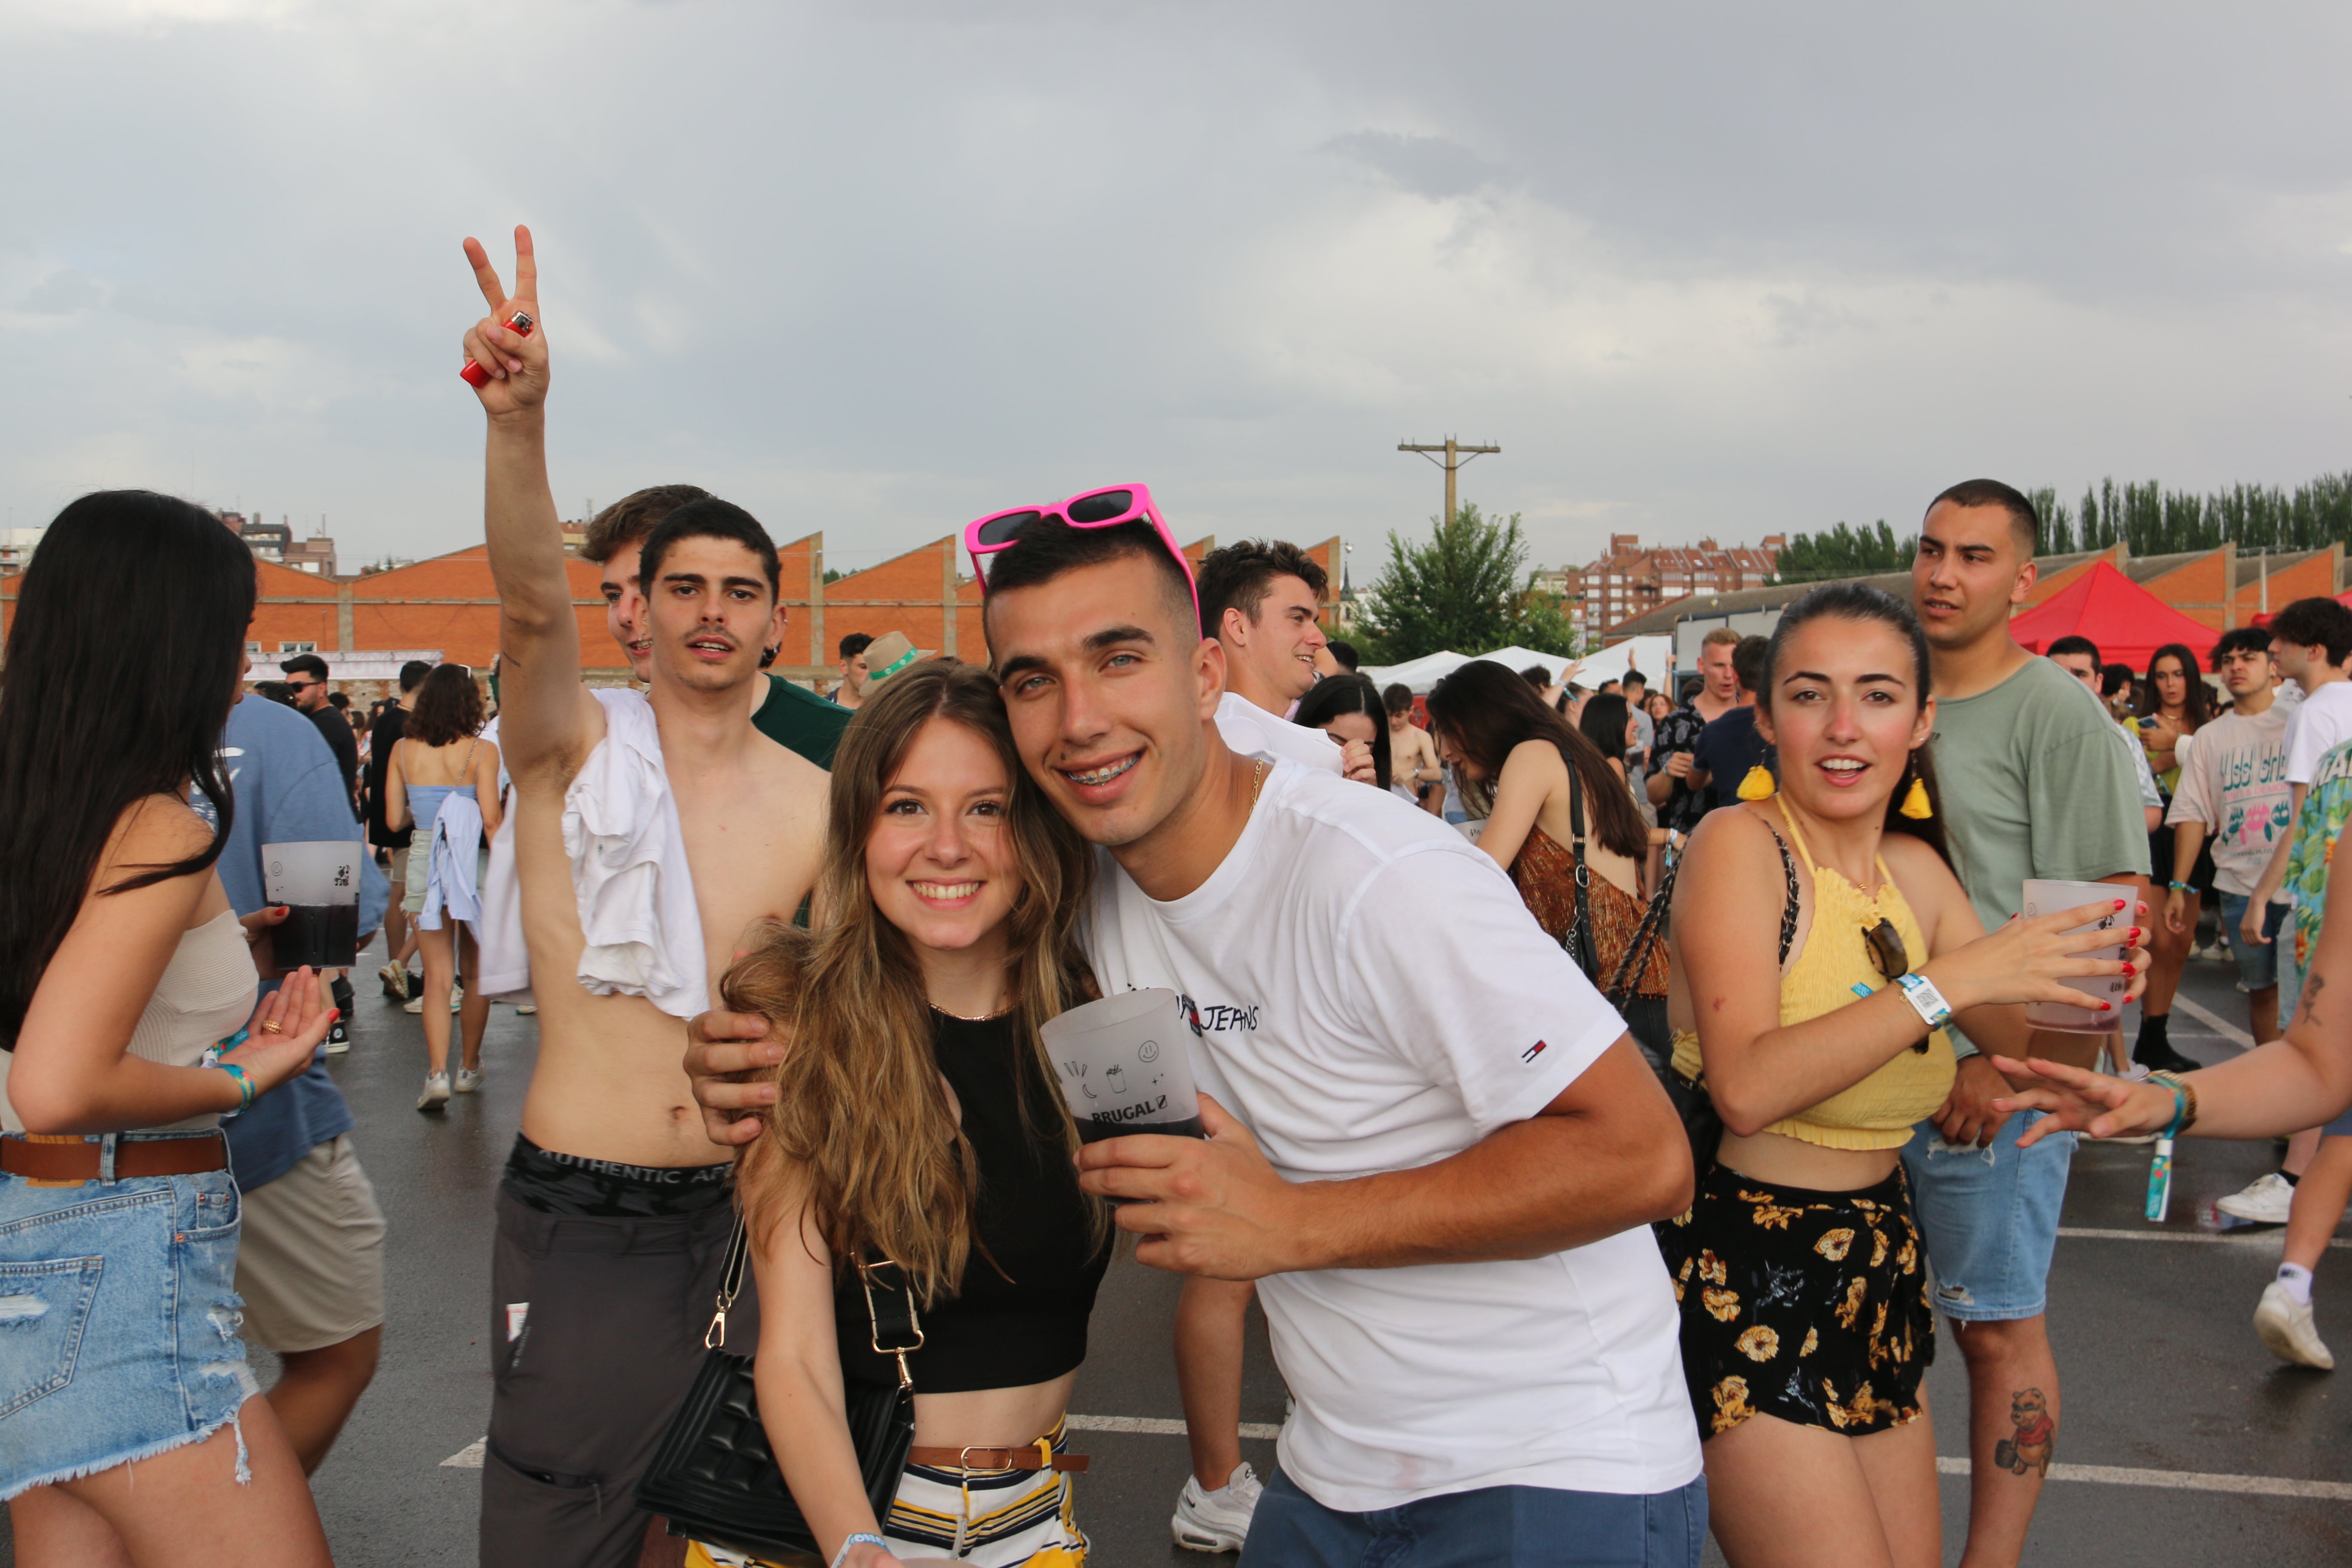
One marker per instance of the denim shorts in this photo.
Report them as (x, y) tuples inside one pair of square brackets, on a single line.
[(1991, 1218), (2257, 962), (119, 1321), (1491, 1527)]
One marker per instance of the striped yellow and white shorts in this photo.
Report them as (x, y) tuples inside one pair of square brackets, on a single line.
[(989, 1519)]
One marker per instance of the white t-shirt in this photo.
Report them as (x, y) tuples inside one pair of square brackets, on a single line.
[(1252, 731), (2318, 724), (2234, 782), (1373, 995)]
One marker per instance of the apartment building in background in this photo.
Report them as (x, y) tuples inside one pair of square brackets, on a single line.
[(276, 541), (1630, 582)]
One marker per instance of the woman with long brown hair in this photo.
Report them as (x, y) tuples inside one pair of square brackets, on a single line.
[(1806, 1329), (441, 756), (1515, 753), (917, 1120)]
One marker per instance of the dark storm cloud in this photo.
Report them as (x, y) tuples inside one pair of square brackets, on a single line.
[(876, 269)]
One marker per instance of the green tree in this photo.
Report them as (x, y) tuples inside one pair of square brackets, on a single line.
[(1845, 552), (1462, 590)]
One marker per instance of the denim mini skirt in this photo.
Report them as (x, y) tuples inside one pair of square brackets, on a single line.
[(118, 1322)]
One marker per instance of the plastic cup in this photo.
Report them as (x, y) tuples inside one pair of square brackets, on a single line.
[(318, 882), (2047, 897), (1123, 1067)]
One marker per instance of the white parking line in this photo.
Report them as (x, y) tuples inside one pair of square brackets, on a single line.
[(2215, 1022), (469, 1457), (2180, 1480), (2277, 1234)]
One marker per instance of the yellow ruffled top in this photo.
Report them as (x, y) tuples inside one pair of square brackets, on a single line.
[(1880, 1111)]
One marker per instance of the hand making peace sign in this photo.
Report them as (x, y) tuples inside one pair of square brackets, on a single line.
[(518, 365)]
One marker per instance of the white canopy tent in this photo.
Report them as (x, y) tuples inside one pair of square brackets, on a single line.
[(1652, 655)]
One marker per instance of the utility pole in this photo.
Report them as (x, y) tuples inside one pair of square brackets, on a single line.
[(1457, 454)]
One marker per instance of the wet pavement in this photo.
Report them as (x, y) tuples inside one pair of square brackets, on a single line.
[(2171, 1402)]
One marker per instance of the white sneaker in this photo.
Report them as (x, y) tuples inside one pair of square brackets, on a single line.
[(468, 1080), (436, 1091), (396, 982), (2268, 1199), (2286, 1327), (1216, 1520), (456, 995), (526, 1009), (414, 1003)]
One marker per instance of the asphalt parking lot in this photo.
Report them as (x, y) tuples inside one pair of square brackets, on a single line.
[(2183, 1440)]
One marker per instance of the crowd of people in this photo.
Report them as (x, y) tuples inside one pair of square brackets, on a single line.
[(1609, 1100)]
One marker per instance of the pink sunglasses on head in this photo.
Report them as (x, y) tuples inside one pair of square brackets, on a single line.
[(1106, 508)]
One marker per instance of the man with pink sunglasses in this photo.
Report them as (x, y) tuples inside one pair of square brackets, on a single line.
[(1443, 1150)]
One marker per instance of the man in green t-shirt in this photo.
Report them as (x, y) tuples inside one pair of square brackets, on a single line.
[(794, 719), (2031, 783)]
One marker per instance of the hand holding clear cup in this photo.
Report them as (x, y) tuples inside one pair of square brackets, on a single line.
[(2073, 967), (1124, 1066)]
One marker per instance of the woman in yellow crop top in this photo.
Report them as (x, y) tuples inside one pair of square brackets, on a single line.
[(1806, 1329)]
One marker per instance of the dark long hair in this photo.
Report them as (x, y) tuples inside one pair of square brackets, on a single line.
[(2197, 706), (447, 707), (1856, 602), (1338, 694), (122, 665), (1606, 714), (1485, 710)]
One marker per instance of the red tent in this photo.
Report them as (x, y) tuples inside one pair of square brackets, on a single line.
[(2127, 622)]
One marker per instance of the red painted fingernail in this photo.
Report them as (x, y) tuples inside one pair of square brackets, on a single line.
[(2131, 969), (2120, 903), (2106, 1006)]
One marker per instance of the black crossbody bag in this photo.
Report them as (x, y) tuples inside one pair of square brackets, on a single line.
[(1645, 1018), (715, 1476), (1692, 1102)]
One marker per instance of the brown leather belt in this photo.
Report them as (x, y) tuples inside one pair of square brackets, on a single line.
[(51, 1157), (1028, 1458)]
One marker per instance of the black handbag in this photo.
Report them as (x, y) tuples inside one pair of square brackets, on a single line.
[(715, 1476)]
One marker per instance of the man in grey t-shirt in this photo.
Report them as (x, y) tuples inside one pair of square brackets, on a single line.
[(2032, 785)]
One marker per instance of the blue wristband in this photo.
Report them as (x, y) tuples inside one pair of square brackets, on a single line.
[(861, 1539)]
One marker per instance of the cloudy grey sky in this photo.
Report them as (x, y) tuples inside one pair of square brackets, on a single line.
[(877, 268)]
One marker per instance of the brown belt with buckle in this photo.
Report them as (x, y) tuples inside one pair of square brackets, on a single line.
[(1032, 1458), (53, 1157)]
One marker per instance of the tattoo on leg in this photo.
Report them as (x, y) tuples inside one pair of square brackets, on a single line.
[(2311, 990), (2027, 1452)]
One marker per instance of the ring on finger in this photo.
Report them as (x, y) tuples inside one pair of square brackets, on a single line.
[(270, 1028)]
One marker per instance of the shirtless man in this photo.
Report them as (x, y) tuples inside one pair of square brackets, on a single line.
[(613, 1216)]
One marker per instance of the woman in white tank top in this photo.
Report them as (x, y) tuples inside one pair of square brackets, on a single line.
[(121, 968)]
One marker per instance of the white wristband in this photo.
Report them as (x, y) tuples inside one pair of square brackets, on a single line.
[(861, 1539), (1925, 999)]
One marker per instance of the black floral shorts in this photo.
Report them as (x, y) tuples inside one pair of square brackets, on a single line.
[(1809, 1306)]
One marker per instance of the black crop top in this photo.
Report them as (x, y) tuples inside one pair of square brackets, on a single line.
[(997, 1332)]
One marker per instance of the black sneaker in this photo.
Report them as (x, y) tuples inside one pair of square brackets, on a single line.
[(2158, 1056), (340, 990), (339, 1039)]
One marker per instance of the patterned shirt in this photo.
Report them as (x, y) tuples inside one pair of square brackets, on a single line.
[(2327, 807), (1678, 732)]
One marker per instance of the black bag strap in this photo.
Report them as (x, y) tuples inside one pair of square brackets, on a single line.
[(1579, 940), (889, 1303), (1637, 952)]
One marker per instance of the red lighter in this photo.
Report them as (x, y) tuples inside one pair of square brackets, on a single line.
[(475, 374)]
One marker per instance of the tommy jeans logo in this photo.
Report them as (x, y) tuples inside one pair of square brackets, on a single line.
[(1532, 1052)]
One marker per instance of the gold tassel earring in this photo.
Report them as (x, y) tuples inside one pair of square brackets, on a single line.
[(1916, 805), (1758, 784)]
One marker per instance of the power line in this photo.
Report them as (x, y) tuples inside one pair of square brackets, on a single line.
[(1456, 454)]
